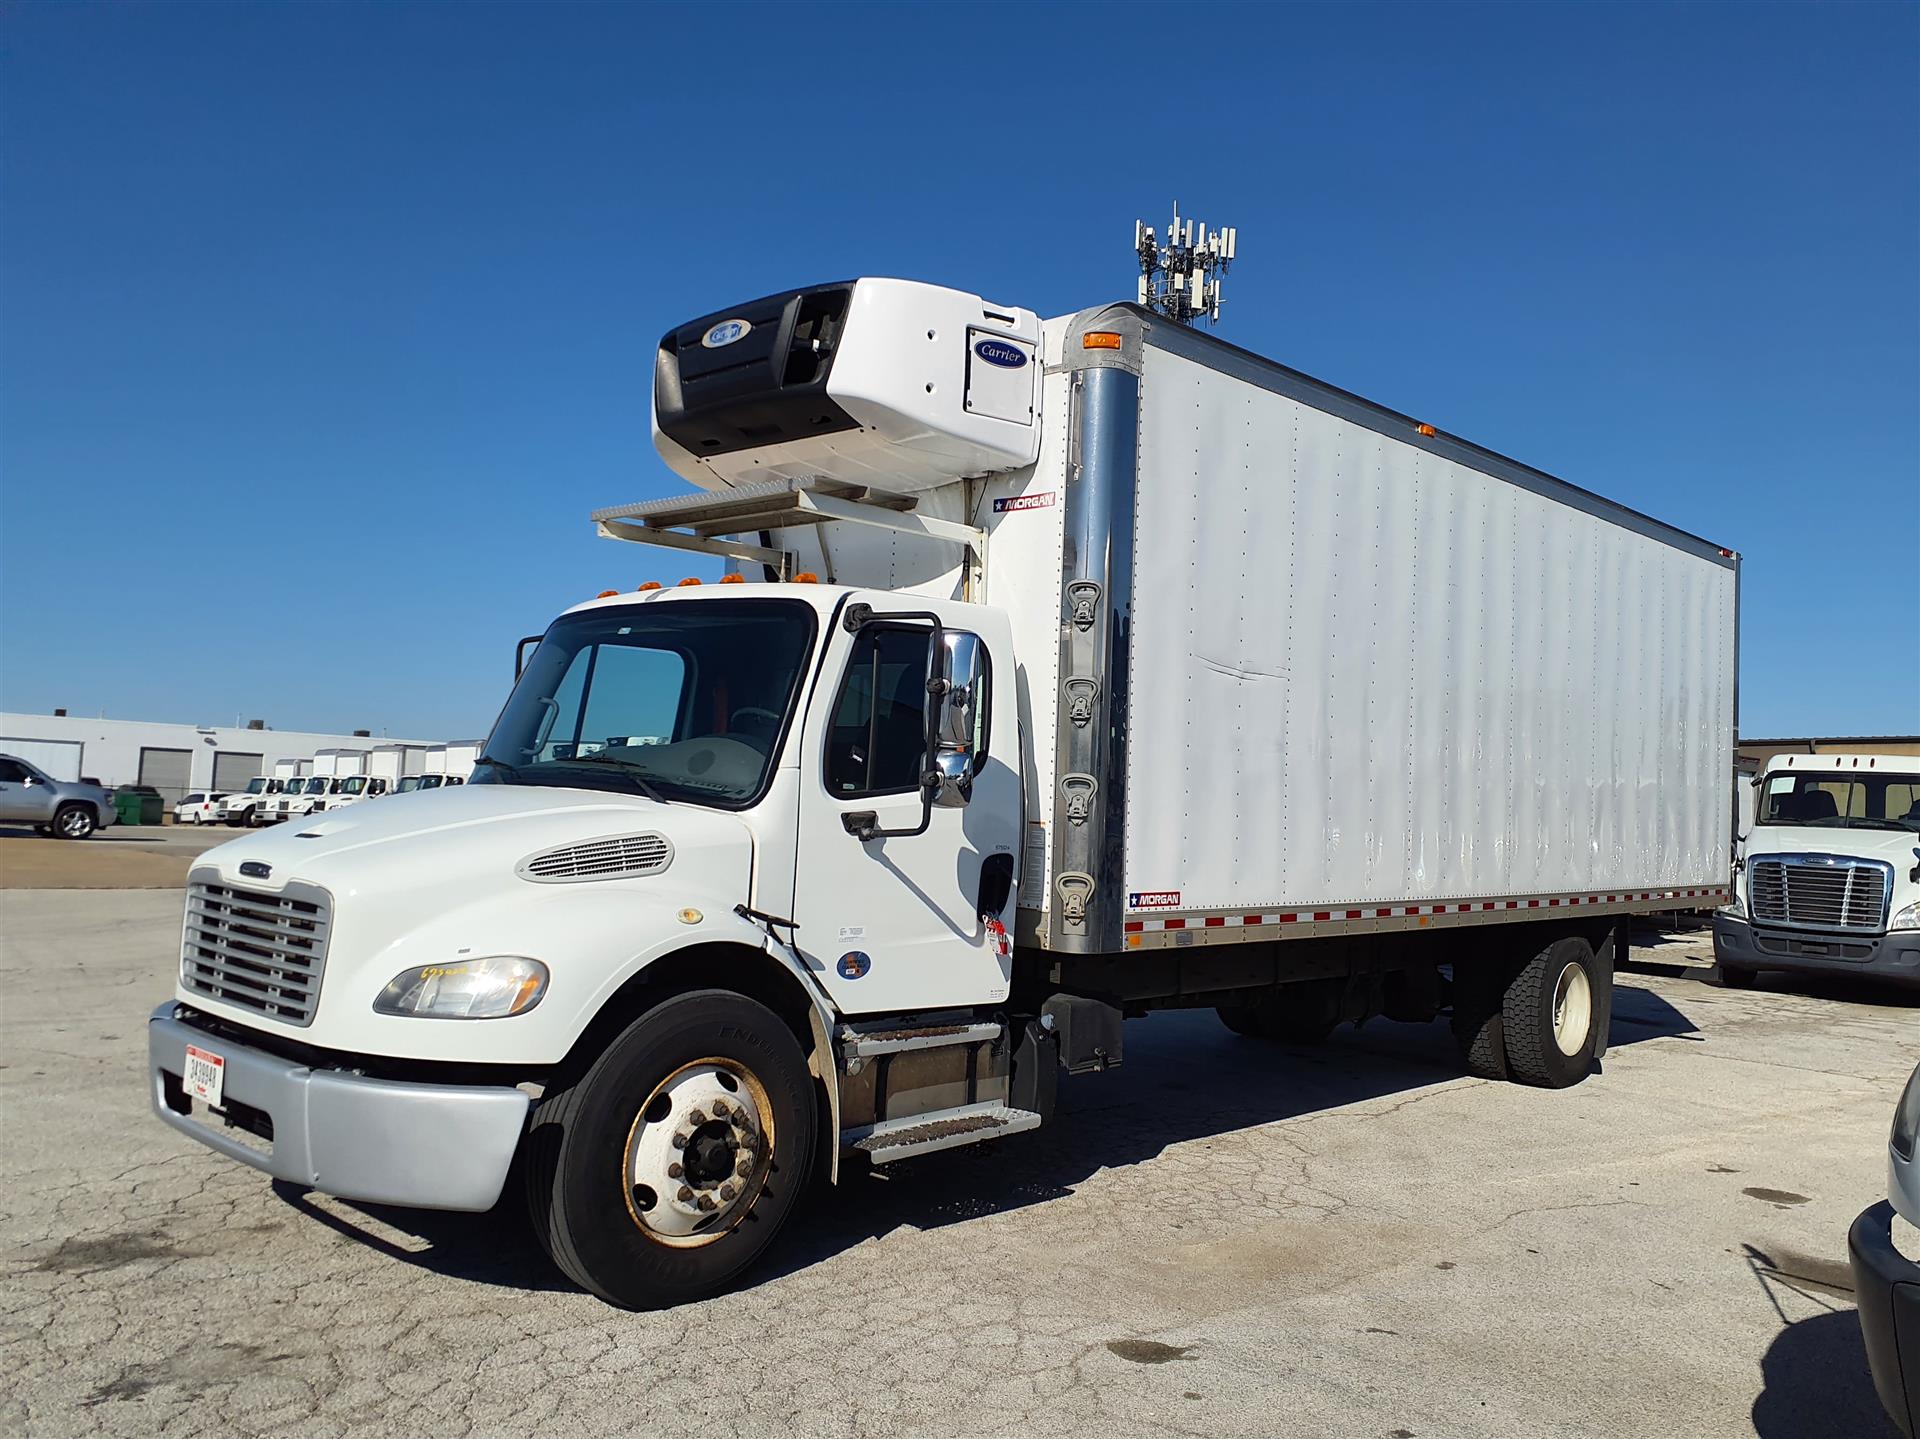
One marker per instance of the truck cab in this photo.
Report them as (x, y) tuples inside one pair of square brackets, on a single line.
[(300, 798), (351, 790), (1828, 881), (248, 807)]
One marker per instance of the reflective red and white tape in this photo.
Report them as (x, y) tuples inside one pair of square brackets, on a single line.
[(1397, 911)]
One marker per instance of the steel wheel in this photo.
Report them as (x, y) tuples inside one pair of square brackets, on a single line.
[(697, 1156), (1572, 1009)]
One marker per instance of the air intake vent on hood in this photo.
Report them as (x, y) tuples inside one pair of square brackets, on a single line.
[(618, 857)]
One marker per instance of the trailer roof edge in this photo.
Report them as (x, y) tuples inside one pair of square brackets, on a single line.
[(1243, 364)]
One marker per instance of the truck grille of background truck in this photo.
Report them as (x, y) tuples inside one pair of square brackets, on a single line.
[(1822, 892), (263, 952)]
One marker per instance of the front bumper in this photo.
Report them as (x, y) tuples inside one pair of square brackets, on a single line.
[(429, 1146), (1886, 1290), (1738, 944)]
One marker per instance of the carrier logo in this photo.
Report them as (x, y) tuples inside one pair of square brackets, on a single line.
[(1014, 503), (1154, 899), (725, 333), (853, 965), (999, 352)]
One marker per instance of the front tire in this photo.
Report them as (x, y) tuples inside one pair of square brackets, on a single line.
[(1729, 978), (661, 1173), (74, 821), (1550, 1016)]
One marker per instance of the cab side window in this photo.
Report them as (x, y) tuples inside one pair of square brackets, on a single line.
[(12, 772), (878, 740)]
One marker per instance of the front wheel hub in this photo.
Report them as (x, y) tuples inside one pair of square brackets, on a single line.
[(698, 1152)]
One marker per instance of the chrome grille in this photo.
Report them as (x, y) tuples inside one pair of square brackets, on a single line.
[(1821, 891), (260, 951), (616, 857)]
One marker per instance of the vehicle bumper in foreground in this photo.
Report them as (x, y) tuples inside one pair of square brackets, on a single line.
[(430, 1146), (1737, 944), (1886, 1290)]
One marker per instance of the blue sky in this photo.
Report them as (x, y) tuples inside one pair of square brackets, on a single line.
[(322, 327)]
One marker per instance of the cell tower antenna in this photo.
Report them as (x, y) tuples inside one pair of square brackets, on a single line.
[(1180, 278)]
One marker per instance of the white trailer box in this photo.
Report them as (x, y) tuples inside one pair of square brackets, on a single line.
[(1133, 671)]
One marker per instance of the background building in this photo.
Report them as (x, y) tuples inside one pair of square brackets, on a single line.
[(175, 759)]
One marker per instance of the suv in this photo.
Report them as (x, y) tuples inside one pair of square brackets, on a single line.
[(66, 809)]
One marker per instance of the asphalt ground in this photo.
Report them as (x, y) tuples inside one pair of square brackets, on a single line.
[(1223, 1237), (117, 857)]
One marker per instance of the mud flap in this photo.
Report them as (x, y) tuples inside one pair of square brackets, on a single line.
[(1602, 977)]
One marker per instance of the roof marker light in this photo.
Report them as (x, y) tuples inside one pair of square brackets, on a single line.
[(606, 594), (649, 585), (1427, 430), (733, 579), (689, 580), (1100, 340), (806, 577)]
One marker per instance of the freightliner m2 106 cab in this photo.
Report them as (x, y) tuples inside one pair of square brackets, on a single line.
[(1136, 671), (1829, 878)]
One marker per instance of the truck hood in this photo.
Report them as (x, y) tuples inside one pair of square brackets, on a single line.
[(478, 830), (1896, 847)]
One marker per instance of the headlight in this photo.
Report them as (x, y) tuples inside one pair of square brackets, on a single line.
[(1906, 1119), (1906, 917), (1735, 905), (491, 988)]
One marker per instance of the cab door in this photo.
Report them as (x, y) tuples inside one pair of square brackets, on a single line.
[(901, 920)]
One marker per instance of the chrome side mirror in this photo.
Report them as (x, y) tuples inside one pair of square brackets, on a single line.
[(963, 672)]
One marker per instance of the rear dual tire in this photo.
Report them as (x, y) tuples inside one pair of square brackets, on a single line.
[(1537, 1022), (640, 1192)]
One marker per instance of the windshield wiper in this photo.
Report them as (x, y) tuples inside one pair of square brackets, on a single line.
[(499, 764), (625, 766)]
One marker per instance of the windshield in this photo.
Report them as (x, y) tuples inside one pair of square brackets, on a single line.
[(677, 700), (410, 783), (256, 786), (1834, 801), (356, 785), (316, 785)]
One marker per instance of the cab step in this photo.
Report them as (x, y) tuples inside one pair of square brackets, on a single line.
[(861, 1043), (943, 1129)]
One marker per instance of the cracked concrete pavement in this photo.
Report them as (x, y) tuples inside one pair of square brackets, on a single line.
[(1222, 1238)]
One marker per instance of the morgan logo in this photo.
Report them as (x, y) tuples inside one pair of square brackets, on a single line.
[(725, 333), (1154, 899), (1015, 503), (999, 352)]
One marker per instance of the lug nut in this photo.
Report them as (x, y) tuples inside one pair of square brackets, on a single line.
[(746, 1168), (684, 1195), (706, 1202), (696, 1116), (719, 1109), (727, 1191), (674, 1171), (679, 1141)]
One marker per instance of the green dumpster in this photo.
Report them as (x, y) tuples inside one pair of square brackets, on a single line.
[(139, 804)]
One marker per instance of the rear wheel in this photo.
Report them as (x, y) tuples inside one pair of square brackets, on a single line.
[(74, 821), (1479, 991), (1549, 1016), (666, 1168), (237, 819)]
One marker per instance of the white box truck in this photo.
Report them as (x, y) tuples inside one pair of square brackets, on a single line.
[(388, 767), (1066, 671), (336, 776), (249, 806)]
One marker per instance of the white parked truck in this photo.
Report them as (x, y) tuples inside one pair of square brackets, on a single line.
[(246, 807), (1135, 671), (338, 777), (1828, 879)]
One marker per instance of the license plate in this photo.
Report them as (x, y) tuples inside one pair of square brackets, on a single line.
[(206, 1075)]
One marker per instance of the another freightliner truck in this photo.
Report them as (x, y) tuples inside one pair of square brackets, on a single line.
[(1064, 671), (1828, 878)]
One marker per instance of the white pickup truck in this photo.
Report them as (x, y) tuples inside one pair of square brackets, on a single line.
[(1067, 670), (1829, 878)]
